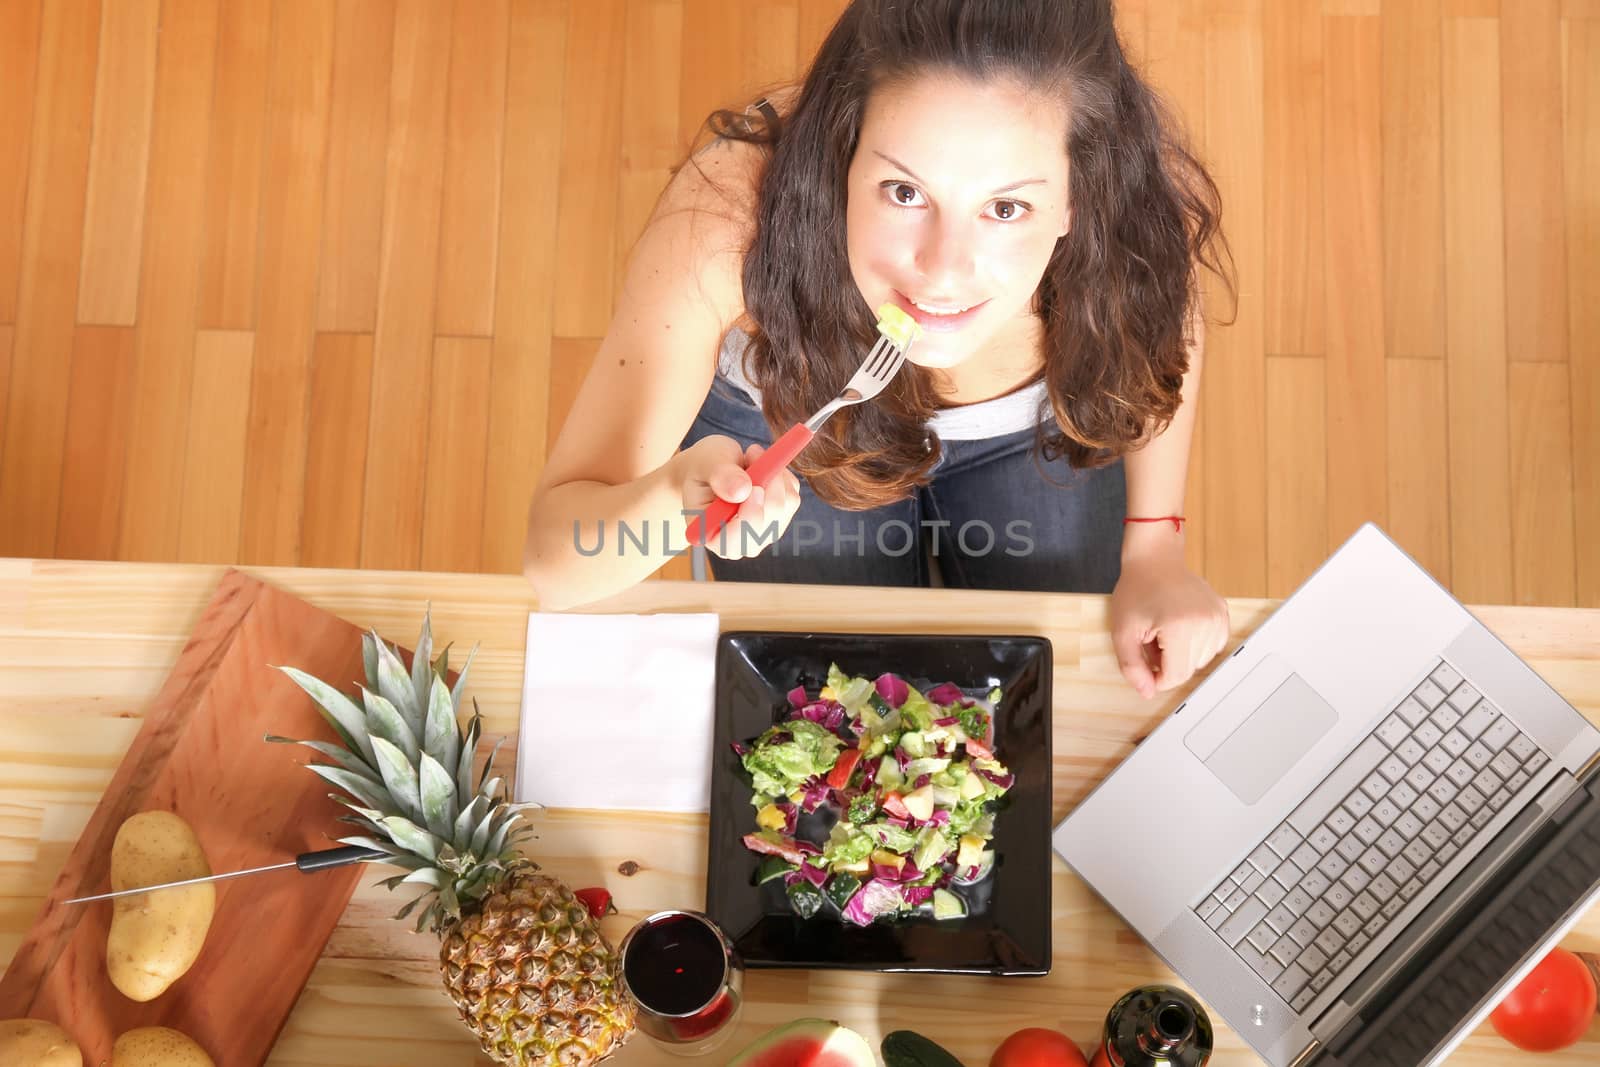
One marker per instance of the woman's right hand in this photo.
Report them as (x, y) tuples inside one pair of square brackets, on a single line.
[(715, 467)]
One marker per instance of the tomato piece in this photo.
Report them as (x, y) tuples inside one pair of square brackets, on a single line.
[(839, 776), (895, 806), (1551, 1008), (597, 900), (1038, 1047)]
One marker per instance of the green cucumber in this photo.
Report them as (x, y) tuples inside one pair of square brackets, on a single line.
[(906, 1048)]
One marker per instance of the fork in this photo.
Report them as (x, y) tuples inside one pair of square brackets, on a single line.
[(896, 332)]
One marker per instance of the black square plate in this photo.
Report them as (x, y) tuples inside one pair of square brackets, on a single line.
[(1007, 928)]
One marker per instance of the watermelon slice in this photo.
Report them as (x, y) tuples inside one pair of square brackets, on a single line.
[(808, 1043)]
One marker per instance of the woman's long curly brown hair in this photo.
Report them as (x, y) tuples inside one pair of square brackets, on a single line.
[(1115, 299)]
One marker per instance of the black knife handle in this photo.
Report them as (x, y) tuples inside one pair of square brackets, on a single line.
[(335, 857)]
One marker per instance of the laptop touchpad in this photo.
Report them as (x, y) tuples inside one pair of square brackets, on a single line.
[(1272, 740)]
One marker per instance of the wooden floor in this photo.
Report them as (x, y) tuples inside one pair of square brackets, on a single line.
[(305, 282)]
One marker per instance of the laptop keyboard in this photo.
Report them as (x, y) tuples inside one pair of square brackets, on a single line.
[(1372, 836)]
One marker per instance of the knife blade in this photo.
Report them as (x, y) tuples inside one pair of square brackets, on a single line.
[(306, 862)]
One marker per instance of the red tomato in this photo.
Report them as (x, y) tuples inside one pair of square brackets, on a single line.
[(1038, 1047), (1551, 1008), (839, 777)]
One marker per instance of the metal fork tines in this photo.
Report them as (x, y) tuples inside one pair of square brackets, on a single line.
[(876, 372)]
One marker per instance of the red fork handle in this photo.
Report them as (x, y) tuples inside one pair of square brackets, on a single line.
[(769, 463)]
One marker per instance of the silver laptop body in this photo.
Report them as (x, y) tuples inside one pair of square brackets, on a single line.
[(1359, 831)]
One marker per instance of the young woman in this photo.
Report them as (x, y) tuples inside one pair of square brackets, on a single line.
[(998, 171)]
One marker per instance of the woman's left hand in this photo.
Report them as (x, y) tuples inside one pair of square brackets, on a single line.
[(1166, 622)]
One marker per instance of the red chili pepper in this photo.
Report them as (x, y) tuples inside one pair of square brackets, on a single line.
[(839, 777), (597, 900)]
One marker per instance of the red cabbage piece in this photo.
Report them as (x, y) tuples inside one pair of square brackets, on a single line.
[(872, 900), (901, 758), (945, 695), (922, 780), (740, 749), (1004, 781), (892, 689), (815, 875), (869, 774), (948, 720), (940, 817), (917, 894), (791, 816), (824, 713), (816, 793), (797, 696), (897, 821)]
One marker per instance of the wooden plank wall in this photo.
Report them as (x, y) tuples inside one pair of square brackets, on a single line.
[(313, 282)]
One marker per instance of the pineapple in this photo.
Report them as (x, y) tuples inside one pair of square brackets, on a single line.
[(521, 957)]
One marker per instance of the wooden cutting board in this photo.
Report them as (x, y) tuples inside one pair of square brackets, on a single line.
[(201, 754)]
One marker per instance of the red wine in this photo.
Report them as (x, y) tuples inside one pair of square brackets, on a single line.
[(675, 966)]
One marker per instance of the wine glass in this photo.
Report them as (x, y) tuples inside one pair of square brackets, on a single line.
[(685, 979)]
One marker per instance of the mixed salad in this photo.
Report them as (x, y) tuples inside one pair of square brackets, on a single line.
[(903, 783)]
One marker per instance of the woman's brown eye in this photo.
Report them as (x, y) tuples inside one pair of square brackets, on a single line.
[(1006, 209), (904, 193)]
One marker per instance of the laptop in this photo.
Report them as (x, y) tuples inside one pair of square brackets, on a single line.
[(1361, 830)]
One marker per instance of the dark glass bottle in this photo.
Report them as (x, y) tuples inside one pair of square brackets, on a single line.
[(1155, 1025)]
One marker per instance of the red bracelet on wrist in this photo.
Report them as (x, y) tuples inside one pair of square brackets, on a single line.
[(1176, 520)]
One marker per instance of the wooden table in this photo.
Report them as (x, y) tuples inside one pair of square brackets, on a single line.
[(84, 646)]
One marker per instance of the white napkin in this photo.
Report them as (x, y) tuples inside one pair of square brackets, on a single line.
[(616, 711)]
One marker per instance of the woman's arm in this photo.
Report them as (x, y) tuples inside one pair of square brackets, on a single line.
[(617, 460), (1166, 622), (1158, 473)]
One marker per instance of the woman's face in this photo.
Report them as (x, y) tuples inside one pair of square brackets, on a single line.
[(957, 197)]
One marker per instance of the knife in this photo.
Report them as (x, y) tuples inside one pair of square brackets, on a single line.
[(306, 862)]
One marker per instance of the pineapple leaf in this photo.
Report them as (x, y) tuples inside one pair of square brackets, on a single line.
[(363, 789), (481, 835), (409, 907), (441, 662), (388, 848), (391, 883), (491, 789), (404, 861), (344, 757), (422, 660), (448, 901), (441, 737), (497, 840), (409, 836), (469, 749), (429, 917), (461, 679), (431, 876), (438, 795), (488, 765), (369, 659), (400, 776), (384, 721), (340, 711), (394, 684), (468, 821)]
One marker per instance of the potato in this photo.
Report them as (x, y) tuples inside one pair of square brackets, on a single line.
[(157, 1046), (36, 1043), (155, 937)]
